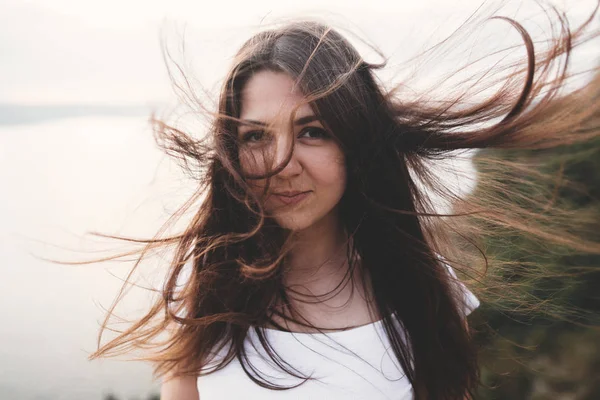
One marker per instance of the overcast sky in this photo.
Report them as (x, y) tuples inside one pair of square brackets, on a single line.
[(84, 51)]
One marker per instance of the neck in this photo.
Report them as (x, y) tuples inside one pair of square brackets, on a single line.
[(317, 251), (318, 280)]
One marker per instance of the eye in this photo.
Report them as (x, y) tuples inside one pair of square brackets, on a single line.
[(313, 132), (253, 136)]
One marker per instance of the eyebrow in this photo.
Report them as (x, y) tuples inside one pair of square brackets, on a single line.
[(300, 121)]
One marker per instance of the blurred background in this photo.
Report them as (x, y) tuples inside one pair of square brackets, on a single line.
[(78, 81)]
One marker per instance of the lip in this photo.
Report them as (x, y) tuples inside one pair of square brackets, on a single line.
[(290, 197)]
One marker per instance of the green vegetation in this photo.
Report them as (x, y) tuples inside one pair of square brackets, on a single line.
[(549, 350)]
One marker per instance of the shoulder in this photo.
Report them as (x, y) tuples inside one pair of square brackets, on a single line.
[(179, 388)]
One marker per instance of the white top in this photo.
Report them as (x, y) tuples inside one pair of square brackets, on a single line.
[(354, 364)]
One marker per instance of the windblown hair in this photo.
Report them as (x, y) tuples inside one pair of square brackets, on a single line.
[(238, 254)]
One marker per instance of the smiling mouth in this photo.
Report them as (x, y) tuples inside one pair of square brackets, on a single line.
[(290, 197)]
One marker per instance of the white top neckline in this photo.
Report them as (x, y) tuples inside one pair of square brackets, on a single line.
[(355, 363), (348, 331)]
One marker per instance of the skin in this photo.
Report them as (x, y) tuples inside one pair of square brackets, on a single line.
[(318, 261), (317, 162), (179, 388)]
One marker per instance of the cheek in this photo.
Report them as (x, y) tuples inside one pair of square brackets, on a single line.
[(328, 169), (249, 163), (249, 166), (256, 162)]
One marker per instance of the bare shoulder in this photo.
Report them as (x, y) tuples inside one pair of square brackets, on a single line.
[(179, 388)]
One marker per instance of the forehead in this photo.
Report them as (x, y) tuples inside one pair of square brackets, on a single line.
[(269, 94)]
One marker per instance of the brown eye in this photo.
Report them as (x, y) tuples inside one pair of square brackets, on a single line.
[(253, 136), (313, 132)]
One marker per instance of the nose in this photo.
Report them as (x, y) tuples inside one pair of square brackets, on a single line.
[(285, 145)]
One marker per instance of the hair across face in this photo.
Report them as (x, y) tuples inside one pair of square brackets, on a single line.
[(301, 111), (306, 136), (280, 131), (280, 77)]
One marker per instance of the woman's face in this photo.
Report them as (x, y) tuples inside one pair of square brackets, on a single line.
[(312, 183)]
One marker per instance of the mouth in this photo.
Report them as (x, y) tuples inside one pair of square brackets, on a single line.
[(290, 197)]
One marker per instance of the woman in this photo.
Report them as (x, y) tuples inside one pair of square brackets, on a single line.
[(317, 267)]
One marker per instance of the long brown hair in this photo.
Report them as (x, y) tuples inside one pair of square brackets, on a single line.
[(237, 253)]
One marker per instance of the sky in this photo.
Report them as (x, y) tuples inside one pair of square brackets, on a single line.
[(108, 52), (60, 180)]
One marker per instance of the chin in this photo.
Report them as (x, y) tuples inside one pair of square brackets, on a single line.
[(293, 222)]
